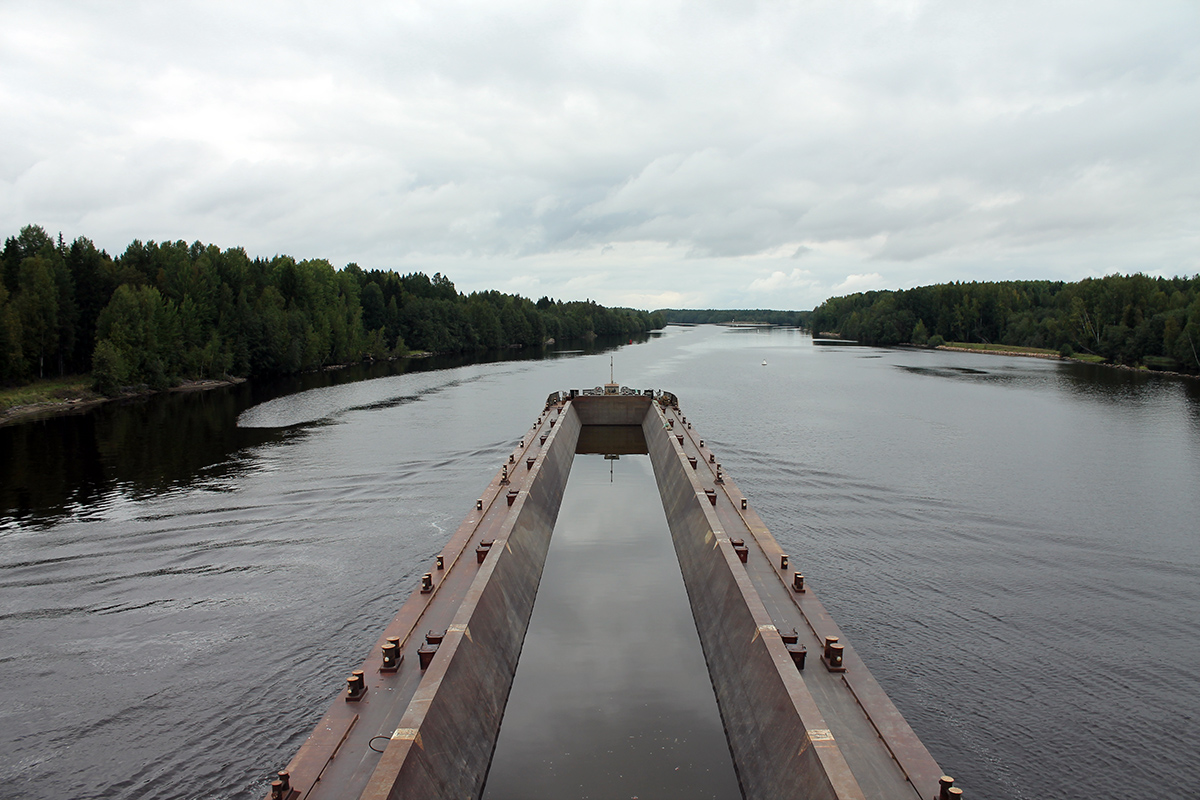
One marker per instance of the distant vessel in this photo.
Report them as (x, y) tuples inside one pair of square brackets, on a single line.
[(421, 717), (764, 362)]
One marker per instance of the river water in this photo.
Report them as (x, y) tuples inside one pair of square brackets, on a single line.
[(1012, 545)]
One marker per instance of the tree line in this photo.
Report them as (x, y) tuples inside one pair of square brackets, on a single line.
[(700, 316), (1135, 320), (162, 312)]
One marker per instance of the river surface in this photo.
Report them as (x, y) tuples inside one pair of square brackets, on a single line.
[(1012, 545)]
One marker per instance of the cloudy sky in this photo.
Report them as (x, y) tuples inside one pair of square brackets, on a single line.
[(652, 154)]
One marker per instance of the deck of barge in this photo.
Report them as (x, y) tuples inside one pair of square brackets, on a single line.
[(811, 733)]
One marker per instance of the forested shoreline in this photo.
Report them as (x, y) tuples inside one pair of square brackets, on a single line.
[(1130, 320), (702, 316), (160, 313)]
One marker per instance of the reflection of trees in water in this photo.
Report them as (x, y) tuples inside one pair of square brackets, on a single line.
[(153, 446), (1191, 390), (1109, 384), (52, 467), (142, 446), (49, 464)]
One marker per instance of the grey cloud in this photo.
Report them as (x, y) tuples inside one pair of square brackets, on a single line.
[(647, 143)]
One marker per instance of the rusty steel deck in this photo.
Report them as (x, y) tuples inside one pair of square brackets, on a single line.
[(803, 715)]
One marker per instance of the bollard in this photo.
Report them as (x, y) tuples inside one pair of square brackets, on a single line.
[(692, 461), (391, 655), (743, 504), (479, 504), (529, 463), (944, 784), (427, 583), (512, 496), (679, 438), (783, 561), (441, 562), (798, 582), (281, 787), (356, 685), (833, 655)]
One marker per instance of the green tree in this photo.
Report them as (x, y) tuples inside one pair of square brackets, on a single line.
[(374, 310), (143, 330), (12, 361), (92, 275), (920, 334), (37, 308), (109, 370)]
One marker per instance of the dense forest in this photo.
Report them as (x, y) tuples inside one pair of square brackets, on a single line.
[(159, 313), (1135, 320), (718, 315)]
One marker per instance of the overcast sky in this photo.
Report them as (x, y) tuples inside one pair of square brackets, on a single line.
[(720, 154)]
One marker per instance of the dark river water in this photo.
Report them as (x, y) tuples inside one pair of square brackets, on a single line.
[(1012, 546)]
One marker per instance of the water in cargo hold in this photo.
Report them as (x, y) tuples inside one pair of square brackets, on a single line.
[(612, 696)]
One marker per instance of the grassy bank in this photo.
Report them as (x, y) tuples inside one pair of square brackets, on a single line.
[(51, 390), (1002, 348), (1015, 350)]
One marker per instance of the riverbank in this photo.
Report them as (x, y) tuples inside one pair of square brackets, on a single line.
[(57, 396), (1036, 352), (1003, 350), (53, 397)]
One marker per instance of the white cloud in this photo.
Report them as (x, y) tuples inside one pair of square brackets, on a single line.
[(780, 280), (859, 283)]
